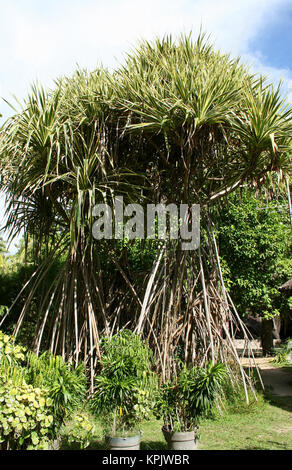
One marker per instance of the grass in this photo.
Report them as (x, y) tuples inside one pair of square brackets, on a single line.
[(285, 364), (262, 425), (266, 426)]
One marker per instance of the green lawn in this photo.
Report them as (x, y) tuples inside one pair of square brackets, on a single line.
[(265, 425)]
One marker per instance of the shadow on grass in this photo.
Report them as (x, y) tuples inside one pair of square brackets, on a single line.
[(94, 445), (153, 445), (275, 446), (285, 403), (102, 445)]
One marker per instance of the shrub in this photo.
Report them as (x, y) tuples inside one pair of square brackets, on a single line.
[(36, 394), (182, 401), (26, 420), (79, 431), (65, 385), (122, 397), (10, 353)]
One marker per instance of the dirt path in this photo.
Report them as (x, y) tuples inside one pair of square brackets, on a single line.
[(276, 379)]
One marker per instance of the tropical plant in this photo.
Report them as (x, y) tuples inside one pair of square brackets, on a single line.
[(254, 235), (26, 419), (79, 430), (182, 401), (282, 353), (17, 271), (180, 122), (10, 353), (65, 385), (122, 395), (46, 389)]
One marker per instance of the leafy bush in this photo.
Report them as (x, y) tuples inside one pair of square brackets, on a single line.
[(282, 354), (25, 411), (181, 402), (255, 247), (25, 416), (122, 397), (66, 386), (10, 353), (79, 431), (36, 394)]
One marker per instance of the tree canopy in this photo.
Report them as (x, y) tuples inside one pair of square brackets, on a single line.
[(178, 122), (254, 235)]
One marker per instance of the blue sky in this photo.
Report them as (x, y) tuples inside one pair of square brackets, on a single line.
[(274, 39), (45, 40)]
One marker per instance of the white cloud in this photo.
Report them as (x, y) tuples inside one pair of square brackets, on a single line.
[(35, 45), (45, 44), (273, 74), (234, 23)]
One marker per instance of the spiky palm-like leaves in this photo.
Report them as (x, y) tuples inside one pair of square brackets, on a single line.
[(179, 122)]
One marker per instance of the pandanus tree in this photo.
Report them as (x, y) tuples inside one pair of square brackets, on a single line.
[(179, 122)]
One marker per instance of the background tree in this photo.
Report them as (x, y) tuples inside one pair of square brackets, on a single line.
[(254, 236)]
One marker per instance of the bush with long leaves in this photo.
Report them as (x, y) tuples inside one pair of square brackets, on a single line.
[(183, 401), (124, 386), (65, 385)]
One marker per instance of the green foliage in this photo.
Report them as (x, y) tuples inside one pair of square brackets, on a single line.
[(3, 310), (255, 246), (178, 121), (36, 395), (185, 399), (10, 353), (80, 430), (26, 419), (66, 386), (122, 396), (14, 275), (281, 356)]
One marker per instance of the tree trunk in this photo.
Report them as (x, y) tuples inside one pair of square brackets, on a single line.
[(277, 327), (267, 336)]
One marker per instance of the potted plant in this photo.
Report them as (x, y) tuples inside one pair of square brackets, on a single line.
[(182, 401), (122, 395)]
